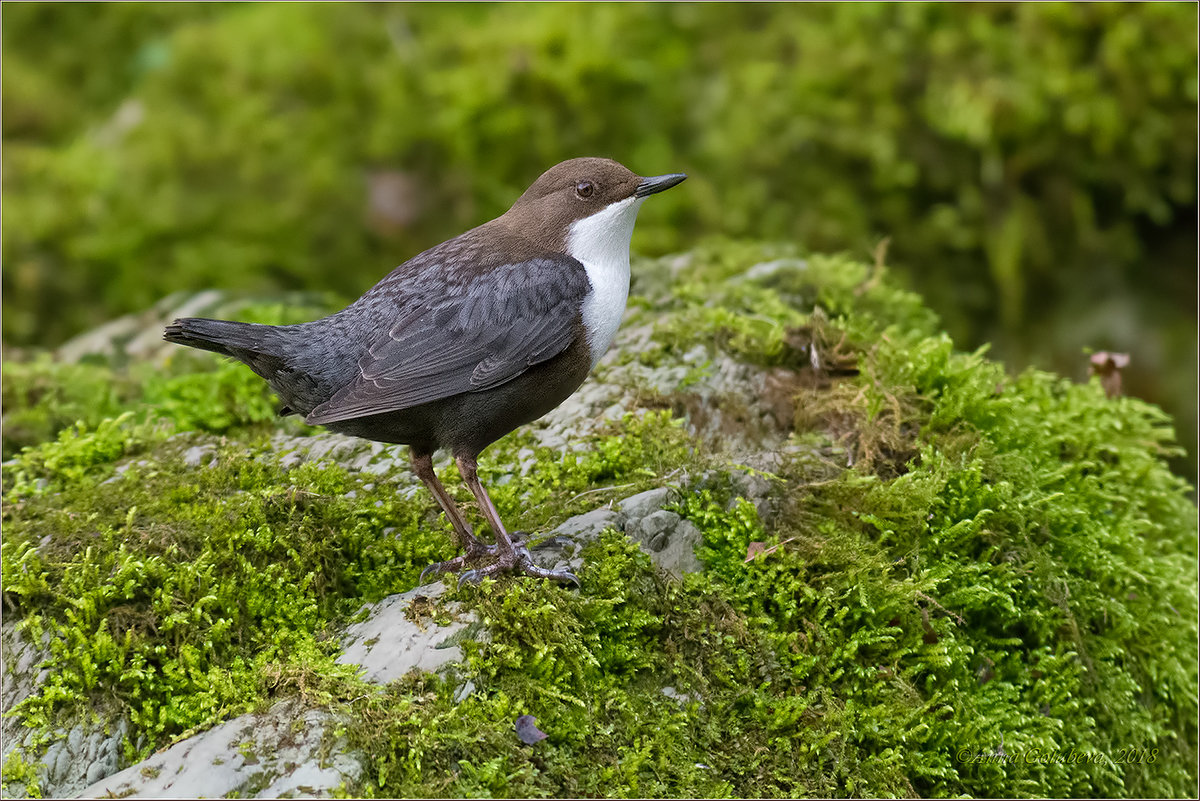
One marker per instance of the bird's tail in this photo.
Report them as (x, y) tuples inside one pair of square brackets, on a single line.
[(220, 336)]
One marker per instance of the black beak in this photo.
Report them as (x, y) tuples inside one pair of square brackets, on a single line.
[(658, 183)]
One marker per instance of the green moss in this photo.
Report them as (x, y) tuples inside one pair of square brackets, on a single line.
[(195, 390), (229, 397), (973, 590), (585, 664), (965, 570), (42, 397), (189, 596), (18, 770), (623, 459)]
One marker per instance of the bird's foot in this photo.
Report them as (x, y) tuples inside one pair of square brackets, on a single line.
[(497, 562), (476, 552), (456, 564), (517, 560)]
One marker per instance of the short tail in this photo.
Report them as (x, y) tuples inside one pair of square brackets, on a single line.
[(221, 336), (262, 348)]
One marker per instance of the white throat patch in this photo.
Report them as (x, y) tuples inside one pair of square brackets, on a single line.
[(601, 244)]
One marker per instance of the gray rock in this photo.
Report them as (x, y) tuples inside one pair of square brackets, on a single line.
[(74, 759), (96, 772), (768, 269), (675, 695), (587, 527), (644, 503), (654, 529), (358, 455), (669, 539), (462, 692), (75, 738), (279, 751), (197, 454), (679, 556), (103, 341), (388, 644), (614, 412), (755, 488), (199, 303), (56, 759), (21, 673)]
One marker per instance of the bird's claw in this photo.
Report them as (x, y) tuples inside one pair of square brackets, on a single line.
[(557, 576), (518, 561), (438, 568)]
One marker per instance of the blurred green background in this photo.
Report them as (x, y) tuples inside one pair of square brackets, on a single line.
[(1034, 165)]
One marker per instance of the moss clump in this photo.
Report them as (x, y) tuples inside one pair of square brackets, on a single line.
[(186, 596), (967, 609), (623, 459), (972, 583), (43, 397), (176, 592)]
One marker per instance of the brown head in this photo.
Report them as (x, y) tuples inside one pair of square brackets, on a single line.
[(575, 190)]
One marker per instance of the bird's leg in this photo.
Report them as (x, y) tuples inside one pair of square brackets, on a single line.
[(422, 463), (508, 556)]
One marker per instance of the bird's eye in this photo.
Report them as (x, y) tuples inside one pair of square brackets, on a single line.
[(585, 189)]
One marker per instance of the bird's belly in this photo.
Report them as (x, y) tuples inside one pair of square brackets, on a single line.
[(481, 418)]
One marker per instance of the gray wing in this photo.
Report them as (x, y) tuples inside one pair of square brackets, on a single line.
[(454, 336)]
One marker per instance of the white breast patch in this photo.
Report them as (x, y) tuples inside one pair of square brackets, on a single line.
[(601, 244)]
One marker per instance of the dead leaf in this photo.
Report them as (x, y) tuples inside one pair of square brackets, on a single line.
[(758, 549)]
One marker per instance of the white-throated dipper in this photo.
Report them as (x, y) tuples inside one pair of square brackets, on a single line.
[(467, 341)]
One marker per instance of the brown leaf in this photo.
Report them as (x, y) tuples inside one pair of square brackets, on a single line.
[(755, 549)]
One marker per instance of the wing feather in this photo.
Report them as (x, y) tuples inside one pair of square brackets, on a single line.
[(462, 336)]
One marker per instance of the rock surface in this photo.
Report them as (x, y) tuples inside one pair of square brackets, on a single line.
[(665, 536), (21, 672), (395, 639), (277, 754), (76, 756)]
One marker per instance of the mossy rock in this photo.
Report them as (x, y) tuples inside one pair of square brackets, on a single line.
[(956, 582)]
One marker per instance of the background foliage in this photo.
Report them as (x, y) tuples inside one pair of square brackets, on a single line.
[(1034, 165)]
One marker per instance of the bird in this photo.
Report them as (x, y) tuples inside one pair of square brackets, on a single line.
[(464, 342)]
